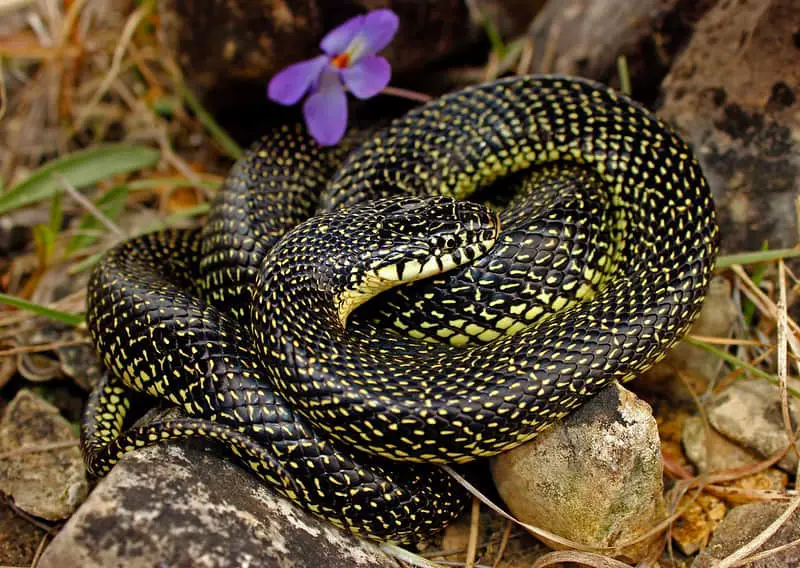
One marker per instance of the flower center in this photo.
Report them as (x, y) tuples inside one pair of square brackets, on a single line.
[(341, 61)]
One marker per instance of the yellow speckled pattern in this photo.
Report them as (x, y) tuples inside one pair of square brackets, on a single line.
[(601, 265)]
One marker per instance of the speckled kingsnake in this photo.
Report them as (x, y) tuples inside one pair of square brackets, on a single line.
[(610, 260)]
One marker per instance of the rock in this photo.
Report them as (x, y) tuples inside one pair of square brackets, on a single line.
[(696, 366), (594, 477), (734, 94), (177, 505), (742, 524), (701, 515), (585, 37), (670, 426), (49, 484), (720, 452), (749, 413)]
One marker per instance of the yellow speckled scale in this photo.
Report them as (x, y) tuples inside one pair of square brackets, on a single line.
[(497, 324)]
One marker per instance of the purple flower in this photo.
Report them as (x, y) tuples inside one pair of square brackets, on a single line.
[(349, 61)]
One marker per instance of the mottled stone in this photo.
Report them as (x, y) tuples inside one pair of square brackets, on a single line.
[(594, 477), (586, 38), (706, 447), (177, 505), (749, 413), (744, 523), (734, 93), (50, 483)]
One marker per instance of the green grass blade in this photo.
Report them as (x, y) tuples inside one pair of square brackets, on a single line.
[(81, 169), (224, 139), (624, 75), (148, 184), (735, 361), (56, 315), (756, 256)]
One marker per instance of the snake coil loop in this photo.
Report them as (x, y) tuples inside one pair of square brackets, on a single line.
[(608, 242)]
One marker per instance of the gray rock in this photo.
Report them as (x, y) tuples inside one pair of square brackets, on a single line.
[(735, 94), (706, 447), (749, 413), (51, 483), (745, 522), (594, 477), (177, 505)]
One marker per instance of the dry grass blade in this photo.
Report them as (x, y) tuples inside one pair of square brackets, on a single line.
[(42, 347), (585, 558), (536, 531), (552, 538), (3, 94), (89, 206), (403, 556), (749, 548), (728, 341), (767, 553), (131, 25), (39, 550), (407, 94), (783, 376), (758, 297), (31, 519)]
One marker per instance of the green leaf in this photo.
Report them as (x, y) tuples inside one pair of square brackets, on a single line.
[(56, 315), (56, 213), (81, 169), (110, 204), (495, 39), (45, 240), (756, 257)]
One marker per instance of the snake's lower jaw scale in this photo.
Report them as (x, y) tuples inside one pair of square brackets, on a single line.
[(598, 245)]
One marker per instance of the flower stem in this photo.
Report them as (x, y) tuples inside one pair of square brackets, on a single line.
[(406, 94)]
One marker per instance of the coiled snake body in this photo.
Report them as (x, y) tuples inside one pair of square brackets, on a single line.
[(607, 248)]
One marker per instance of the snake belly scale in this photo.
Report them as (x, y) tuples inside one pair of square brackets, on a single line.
[(248, 327)]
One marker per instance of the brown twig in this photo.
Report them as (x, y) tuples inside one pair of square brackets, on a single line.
[(503, 543), (474, 526), (42, 347)]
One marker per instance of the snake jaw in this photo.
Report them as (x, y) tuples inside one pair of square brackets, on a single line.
[(405, 272), (420, 239)]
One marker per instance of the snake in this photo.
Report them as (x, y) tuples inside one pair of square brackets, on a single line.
[(438, 291)]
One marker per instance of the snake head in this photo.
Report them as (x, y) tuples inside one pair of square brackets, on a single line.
[(410, 238)]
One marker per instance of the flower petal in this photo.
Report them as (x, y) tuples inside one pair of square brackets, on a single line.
[(368, 76), (289, 85), (337, 40), (326, 115), (378, 29)]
